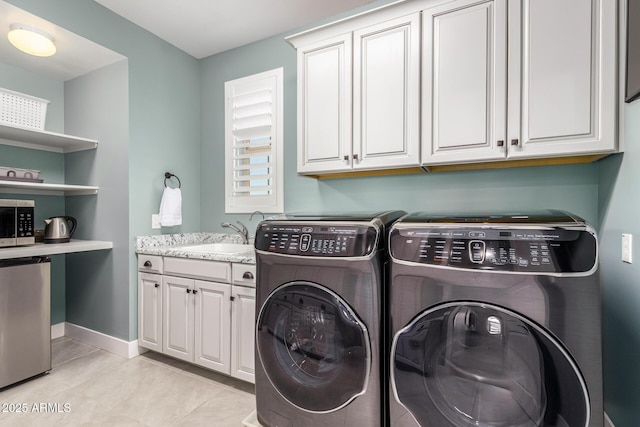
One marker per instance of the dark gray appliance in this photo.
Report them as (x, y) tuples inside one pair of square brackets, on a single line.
[(320, 325), (495, 321), (25, 318)]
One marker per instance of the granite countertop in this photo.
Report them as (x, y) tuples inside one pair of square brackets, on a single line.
[(172, 245)]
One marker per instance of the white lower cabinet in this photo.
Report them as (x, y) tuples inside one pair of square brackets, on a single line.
[(212, 325), (208, 323), (150, 311), (197, 321), (243, 326)]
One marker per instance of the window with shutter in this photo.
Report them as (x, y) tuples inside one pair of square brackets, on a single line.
[(254, 143)]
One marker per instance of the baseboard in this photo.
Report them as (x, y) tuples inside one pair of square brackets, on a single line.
[(57, 330), (607, 421), (117, 346)]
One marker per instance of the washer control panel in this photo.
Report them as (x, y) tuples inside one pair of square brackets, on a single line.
[(307, 239), (525, 250)]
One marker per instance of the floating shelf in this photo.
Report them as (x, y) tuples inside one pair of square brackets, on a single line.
[(44, 140), (19, 187), (42, 249)]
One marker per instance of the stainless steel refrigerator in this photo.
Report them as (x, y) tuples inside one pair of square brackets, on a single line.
[(25, 318)]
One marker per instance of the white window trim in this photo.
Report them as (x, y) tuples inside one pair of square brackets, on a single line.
[(274, 202)]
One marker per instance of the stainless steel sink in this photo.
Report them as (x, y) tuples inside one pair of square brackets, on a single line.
[(219, 248)]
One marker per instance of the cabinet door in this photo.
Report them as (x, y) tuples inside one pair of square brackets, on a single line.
[(386, 100), (324, 105), (464, 83), (243, 329), (562, 77), (178, 316), (213, 325), (150, 311)]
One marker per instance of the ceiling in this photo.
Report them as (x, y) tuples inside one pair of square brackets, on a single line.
[(199, 27), (206, 27), (76, 55)]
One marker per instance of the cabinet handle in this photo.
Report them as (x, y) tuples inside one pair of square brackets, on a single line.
[(156, 285), (500, 143), (188, 291), (147, 263), (247, 275), (515, 142)]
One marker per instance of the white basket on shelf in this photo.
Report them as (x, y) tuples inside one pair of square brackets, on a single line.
[(19, 109)]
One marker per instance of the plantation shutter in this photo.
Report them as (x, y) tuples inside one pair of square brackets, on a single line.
[(254, 143)]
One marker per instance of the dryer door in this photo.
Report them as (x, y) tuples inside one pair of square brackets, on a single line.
[(472, 364), (314, 348)]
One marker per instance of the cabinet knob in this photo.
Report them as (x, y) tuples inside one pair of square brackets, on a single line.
[(500, 143), (195, 291), (156, 285), (188, 291), (247, 275), (232, 298), (346, 158), (355, 157), (147, 263), (515, 142)]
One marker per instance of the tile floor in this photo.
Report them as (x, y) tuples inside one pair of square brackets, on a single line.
[(89, 386)]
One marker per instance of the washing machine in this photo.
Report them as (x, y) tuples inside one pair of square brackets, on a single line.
[(319, 319), (495, 321)]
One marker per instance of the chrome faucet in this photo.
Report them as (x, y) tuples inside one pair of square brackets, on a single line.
[(242, 230), (256, 213)]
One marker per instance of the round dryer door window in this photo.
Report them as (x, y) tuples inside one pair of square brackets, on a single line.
[(470, 364), (315, 350)]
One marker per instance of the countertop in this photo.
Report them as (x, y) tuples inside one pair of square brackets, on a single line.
[(172, 245), (40, 249)]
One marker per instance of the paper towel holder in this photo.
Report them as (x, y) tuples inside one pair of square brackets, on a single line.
[(169, 175)]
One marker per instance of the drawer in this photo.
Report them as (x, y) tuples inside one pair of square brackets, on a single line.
[(212, 271), (150, 263), (244, 274)]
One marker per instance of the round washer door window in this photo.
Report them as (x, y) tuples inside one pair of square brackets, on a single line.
[(470, 364), (315, 350)]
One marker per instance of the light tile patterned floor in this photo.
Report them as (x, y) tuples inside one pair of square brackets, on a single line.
[(88, 386)]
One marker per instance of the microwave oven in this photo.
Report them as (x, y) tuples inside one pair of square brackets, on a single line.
[(16, 222)]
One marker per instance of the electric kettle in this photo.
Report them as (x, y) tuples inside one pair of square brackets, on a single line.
[(59, 229)]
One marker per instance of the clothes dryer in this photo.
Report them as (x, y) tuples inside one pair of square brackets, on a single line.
[(495, 321), (320, 326)]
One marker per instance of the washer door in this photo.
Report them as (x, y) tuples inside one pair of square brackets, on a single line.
[(313, 347), (471, 364)]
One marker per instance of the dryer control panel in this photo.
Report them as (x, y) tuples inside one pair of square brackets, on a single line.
[(523, 250), (324, 240)]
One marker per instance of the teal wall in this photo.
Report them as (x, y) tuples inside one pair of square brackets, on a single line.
[(164, 133), (619, 210)]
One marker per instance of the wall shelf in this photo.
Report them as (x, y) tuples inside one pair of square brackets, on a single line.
[(44, 140), (44, 249), (19, 187)]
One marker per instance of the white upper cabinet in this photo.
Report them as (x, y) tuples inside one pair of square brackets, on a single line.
[(562, 78), (386, 102), (324, 104), (358, 96), (534, 80), (464, 92)]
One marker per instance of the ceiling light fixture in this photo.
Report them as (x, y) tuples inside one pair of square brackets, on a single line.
[(31, 40)]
